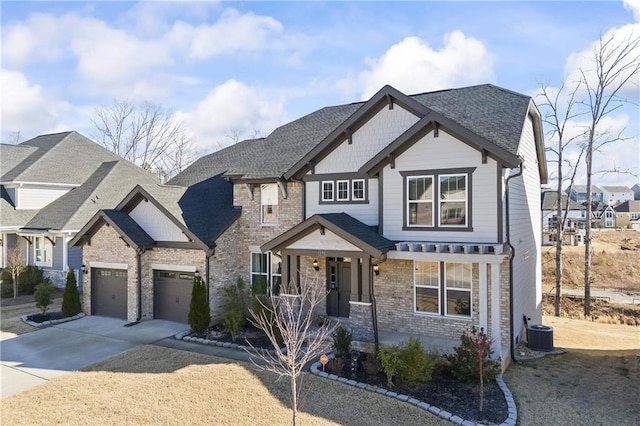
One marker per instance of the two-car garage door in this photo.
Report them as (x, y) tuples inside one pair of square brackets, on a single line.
[(172, 295)]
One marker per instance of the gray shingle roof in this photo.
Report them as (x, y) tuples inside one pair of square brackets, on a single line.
[(496, 114), (617, 188), (632, 206), (549, 199), (11, 156), (65, 157), (103, 189)]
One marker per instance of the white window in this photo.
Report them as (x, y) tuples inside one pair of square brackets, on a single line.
[(420, 201), (327, 191), (43, 251), (427, 287), (357, 188), (266, 273), (269, 204), (453, 200), (448, 295), (343, 190)]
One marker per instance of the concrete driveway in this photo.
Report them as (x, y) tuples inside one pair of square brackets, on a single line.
[(37, 357)]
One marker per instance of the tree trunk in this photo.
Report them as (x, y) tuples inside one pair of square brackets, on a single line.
[(559, 234), (587, 236), (294, 399)]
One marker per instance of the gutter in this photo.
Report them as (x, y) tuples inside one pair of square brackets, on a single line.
[(209, 254), (139, 252), (511, 257), (374, 309)]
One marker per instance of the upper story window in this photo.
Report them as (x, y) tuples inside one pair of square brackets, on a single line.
[(437, 200), (269, 204), (43, 251), (343, 191)]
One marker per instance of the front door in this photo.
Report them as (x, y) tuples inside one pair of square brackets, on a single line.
[(338, 287)]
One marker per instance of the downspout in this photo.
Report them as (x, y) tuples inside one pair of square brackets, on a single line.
[(209, 254), (374, 309), (139, 252), (511, 257)]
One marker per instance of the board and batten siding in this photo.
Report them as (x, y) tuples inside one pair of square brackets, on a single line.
[(365, 213), (156, 224), (31, 198), (378, 132), (525, 235), (443, 152)]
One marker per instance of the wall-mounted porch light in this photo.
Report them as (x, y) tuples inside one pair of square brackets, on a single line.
[(376, 269), (197, 273), (85, 270), (315, 264)]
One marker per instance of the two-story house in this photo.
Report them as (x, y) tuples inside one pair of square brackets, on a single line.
[(614, 195), (51, 186), (419, 214), (578, 193)]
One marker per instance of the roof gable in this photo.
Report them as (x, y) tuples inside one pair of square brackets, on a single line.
[(124, 225)]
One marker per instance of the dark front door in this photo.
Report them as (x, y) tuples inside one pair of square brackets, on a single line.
[(172, 295), (109, 292), (339, 288)]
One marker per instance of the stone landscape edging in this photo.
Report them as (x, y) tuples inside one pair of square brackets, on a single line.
[(25, 319), (511, 405), (184, 335)]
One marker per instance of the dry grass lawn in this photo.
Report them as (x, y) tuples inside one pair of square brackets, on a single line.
[(11, 323), (157, 385)]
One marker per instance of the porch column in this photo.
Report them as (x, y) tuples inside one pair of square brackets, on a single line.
[(495, 311), (483, 297), (366, 279), (285, 269), (355, 265)]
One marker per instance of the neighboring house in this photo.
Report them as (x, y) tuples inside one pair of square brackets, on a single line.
[(628, 214), (418, 213), (51, 186), (636, 191), (575, 219), (578, 193), (614, 195)]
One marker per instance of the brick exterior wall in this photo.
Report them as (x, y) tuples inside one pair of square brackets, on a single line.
[(107, 246), (393, 290)]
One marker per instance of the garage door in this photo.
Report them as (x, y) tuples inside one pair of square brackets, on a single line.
[(172, 295), (109, 292)]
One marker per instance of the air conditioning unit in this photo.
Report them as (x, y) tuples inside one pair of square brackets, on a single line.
[(540, 337)]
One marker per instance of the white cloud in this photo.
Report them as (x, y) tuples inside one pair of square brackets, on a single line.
[(634, 7), (25, 107), (229, 110), (233, 32), (413, 66)]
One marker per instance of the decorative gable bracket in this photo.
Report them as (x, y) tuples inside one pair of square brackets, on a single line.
[(389, 100), (249, 187), (283, 188)]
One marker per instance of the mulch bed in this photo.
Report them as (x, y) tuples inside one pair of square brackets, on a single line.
[(49, 316), (444, 391), (249, 336)]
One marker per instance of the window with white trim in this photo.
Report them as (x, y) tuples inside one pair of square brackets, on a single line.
[(453, 200), (443, 288), (420, 201), (342, 193), (266, 273), (42, 251), (327, 191), (357, 190), (269, 204)]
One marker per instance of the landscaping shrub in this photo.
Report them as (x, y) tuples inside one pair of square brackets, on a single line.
[(389, 357), (44, 296), (71, 297), (342, 342), (6, 288), (415, 366), (371, 365), (234, 315), (199, 311), (29, 278), (474, 354)]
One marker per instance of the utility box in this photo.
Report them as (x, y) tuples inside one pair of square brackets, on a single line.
[(540, 337)]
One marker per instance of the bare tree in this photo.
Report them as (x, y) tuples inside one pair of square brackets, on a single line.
[(145, 134), (15, 266), (12, 138), (559, 113), (616, 64), (291, 316)]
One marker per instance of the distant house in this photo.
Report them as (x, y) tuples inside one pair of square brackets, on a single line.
[(636, 191), (576, 217), (628, 214), (578, 193), (614, 195), (51, 186)]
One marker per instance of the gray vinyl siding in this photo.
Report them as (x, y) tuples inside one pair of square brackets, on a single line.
[(525, 220), (366, 213), (58, 254)]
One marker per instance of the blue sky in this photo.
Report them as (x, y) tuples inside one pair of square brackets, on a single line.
[(246, 67)]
